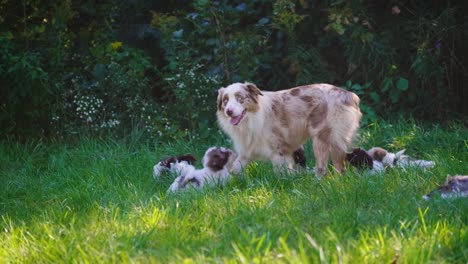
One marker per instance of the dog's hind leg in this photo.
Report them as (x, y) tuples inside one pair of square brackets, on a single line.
[(322, 154), (338, 157)]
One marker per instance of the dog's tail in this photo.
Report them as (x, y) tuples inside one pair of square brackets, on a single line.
[(346, 122)]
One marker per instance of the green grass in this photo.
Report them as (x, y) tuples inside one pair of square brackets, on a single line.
[(95, 201)]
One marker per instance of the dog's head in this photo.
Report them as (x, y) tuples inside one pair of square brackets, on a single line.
[(359, 158), (387, 158), (218, 158), (236, 100)]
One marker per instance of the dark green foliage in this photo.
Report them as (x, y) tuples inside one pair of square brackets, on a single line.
[(158, 65)]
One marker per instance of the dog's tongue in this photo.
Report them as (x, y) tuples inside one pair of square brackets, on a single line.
[(235, 120)]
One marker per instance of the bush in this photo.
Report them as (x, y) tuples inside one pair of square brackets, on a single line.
[(110, 66), (108, 91)]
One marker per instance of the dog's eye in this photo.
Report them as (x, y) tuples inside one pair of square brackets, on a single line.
[(225, 100), (239, 98)]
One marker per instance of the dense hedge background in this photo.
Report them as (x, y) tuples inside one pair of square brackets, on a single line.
[(71, 67)]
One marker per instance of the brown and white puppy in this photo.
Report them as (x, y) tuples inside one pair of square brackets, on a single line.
[(168, 164), (273, 125), (455, 186), (398, 159), (217, 164)]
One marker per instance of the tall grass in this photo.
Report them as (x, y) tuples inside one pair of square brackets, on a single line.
[(96, 201)]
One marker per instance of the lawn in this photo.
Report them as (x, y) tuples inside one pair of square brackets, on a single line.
[(95, 201)]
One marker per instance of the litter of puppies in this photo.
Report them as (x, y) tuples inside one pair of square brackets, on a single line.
[(218, 164)]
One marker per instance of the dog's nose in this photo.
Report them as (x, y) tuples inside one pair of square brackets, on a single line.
[(229, 112)]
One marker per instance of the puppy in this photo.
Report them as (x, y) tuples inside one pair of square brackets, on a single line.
[(360, 159), (389, 159), (273, 125), (168, 164), (455, 186), (300, 158), (217, 164)]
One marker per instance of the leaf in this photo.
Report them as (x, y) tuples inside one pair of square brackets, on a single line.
[(402, 84), (178, 33), (241, 7), (375, 96), (99, 71), (394, 96), (263, 21), (356, 87), (367, 85), (211, 41), (349, 83), (386, 84)]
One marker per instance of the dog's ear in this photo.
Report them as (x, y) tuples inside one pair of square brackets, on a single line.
[(220, 98), (400, 153), (377, 153), (252, 89)]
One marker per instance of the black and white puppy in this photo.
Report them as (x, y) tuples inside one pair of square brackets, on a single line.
[(168, 164), (360, 159), (300, 158), (217, 164), (454, 186)]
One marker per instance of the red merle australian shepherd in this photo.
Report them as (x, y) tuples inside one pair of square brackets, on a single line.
[(273, 125)]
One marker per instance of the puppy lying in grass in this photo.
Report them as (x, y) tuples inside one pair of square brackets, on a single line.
[(377, 159), (217, 164), (168, 164), (360, 159), (398, 159), (454, 186)]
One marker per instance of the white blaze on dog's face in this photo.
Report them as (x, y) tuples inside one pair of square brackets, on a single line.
[(236, 100), (217, 159)]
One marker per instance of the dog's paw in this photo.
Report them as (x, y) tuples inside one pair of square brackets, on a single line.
[(158, 170)]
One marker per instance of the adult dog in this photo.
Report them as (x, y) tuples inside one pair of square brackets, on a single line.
[(272, 125)]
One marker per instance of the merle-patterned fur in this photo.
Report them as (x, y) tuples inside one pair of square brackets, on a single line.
[(454, 186)]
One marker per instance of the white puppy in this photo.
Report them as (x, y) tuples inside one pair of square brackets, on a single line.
[(217, 163), (398, 159)]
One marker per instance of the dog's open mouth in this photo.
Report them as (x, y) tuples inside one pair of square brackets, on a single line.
[(236, 120)]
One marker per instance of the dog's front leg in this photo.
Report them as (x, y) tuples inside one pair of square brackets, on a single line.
[(239, 164), (283, 163)]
